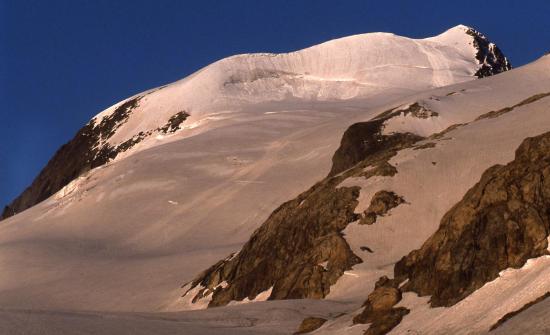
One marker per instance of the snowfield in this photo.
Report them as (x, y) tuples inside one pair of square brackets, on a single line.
[(354, 67), (110, 252)]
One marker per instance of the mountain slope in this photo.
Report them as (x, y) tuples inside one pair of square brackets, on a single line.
[(398, 191), (359, 66), (407, 209)]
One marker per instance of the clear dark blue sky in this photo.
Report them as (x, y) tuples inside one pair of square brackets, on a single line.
[(61, 62)]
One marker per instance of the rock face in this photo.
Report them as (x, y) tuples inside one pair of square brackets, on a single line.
[(363, 139), (72, 159), (492, 61), (87, 150), (287, 251), (380, 205), (380, 310), (500, 223), (299, 252), (310, 324)]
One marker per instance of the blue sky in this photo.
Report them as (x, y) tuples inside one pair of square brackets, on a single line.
[(61, 62)]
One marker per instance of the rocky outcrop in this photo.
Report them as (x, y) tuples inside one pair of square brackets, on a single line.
[(488, 115), (364, 139), (87, 150), (497, 113), (174, 123), (492, 61), (379, 308), (500, 223), (79, 155), (310, 324), (416, 110), (381, 203), (286, 253), (299, 252)]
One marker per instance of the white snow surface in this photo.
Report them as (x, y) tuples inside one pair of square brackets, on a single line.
[(358, 66), (122, 239)]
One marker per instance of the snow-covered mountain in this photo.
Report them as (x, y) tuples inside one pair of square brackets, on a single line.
[(355, 67), (374, 172), (451, 172)]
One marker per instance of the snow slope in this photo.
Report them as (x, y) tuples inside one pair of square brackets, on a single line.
[(431, 181), (358, 66), (352, 68), (263, 128), (151, 221)]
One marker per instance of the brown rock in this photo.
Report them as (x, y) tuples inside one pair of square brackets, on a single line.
[(310, 324), (361, 141), (380, 205), (379, 308), (500, 223), (285, 253)]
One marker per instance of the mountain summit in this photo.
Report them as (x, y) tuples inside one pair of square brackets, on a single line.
[(355, 67)]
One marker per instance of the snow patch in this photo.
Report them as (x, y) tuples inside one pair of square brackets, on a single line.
[(262, 296)]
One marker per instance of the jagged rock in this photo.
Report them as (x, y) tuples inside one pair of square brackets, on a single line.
[(500, 223), (417, 110), (383, 169), (380, 205), (285, 252), (174, 122), (310, 324), (492, 61), (87, 150), (531, 99), (79, 155), (364, 139), (380, 310)]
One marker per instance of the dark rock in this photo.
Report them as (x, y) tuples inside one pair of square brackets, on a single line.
[(383, 169), (417, 110), (87, 150), (310, 324), (492, 61), (425, 146), (77, 156), (500, 223), (493, 114), (380, 310), (285, 252), (362, 140), (380, 205), (365, 248), (174, 122)]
